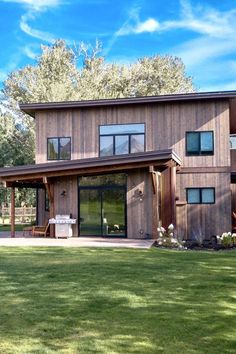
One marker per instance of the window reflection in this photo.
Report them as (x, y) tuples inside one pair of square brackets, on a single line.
[(120, 139)]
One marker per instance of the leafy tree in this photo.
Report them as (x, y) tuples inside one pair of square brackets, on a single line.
[(62, 73), (58, 77)]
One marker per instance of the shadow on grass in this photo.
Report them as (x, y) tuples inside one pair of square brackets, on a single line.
[(117, 301)]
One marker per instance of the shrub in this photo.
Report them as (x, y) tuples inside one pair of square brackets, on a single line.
[(166, 238), (226, 240)]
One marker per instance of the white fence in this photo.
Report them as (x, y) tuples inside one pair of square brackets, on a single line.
[(22, 215)]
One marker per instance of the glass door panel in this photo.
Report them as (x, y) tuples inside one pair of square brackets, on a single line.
[(113, 212), (90, 212)]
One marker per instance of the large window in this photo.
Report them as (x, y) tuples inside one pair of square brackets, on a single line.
[(233, 141), (200, 195), (59, 148), (119, 139), (199, 143)]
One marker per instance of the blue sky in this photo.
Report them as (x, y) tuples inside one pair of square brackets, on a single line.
[(202, 33)]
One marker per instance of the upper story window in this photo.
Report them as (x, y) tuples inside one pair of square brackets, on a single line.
[(200, 143), (200, 195), (59, 148), (119, 139), (233, 141)]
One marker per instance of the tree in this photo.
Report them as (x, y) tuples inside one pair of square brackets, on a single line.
[(57, 76), (62, 73)]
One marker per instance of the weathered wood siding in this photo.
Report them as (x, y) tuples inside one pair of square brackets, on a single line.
[(166, 126), (139, 212), (205, 220)]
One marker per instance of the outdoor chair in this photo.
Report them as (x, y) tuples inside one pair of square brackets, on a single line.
[(233, 221), (40, 230)]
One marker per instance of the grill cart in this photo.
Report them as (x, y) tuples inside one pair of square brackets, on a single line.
[(63, 225)]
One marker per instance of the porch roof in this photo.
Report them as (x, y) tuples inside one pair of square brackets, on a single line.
[(34, 174)]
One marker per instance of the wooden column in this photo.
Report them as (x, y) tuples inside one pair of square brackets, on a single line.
[(12, 212), (52, 210), (50, 191), (155, 216), (173, 193)]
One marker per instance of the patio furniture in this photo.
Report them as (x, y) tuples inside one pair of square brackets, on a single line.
[(27, 231), (41, 230), (233, 221)]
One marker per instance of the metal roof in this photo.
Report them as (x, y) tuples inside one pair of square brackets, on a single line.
[(31, 108), (89, 165)]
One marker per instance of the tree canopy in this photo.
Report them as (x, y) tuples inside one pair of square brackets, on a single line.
[(65, 74), (62, 73)]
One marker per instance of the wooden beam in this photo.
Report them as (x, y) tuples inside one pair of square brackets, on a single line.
[(48, 189), (173, 194), (52, 209), (12, 212)]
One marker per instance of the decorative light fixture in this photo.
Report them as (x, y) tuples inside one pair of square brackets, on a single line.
[(141, 195), (63, 193)]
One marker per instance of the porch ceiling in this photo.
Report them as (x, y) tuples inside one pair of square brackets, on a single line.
[(34, 174)]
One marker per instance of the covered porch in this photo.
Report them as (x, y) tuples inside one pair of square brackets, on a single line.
[(60, 179)]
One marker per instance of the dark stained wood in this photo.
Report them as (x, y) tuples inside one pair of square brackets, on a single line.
[(173, 194), (12, 212), (139, 212), (205, 220), (181, 220), (191, 170), (52, 208)]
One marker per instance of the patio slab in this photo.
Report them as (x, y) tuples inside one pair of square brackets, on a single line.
[(19, 241)]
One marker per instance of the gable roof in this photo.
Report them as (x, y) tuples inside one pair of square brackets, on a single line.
[(31, 108)]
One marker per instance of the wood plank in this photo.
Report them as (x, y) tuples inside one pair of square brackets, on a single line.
[(12, 212)]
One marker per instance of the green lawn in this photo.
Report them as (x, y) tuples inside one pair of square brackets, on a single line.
[(18, 227), (69, 300)]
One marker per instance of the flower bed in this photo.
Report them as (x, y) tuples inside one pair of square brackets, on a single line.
[(167, 238)]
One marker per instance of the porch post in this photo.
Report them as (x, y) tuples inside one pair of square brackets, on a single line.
[(173, 193), (52, 210), (12, 211), (50, 191)]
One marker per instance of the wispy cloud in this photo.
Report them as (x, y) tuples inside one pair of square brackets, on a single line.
[(26, 28), (35, 4), (33, 9), (200, 19)]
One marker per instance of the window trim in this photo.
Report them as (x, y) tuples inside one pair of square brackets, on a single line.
[(121, 134), (58, 140), (200, 190), (231, 135), (199, 152)]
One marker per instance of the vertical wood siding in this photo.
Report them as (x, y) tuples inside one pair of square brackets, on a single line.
[(205, 220)]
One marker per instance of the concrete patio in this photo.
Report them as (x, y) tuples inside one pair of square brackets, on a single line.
[(20, 241)]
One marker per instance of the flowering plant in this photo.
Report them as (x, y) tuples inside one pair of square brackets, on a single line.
[(167, 237), (226, 240)]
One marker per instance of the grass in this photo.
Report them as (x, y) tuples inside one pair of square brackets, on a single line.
[(62, 300), (18, 227)]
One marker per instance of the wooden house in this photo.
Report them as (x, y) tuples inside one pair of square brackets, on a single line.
[(123, 167)]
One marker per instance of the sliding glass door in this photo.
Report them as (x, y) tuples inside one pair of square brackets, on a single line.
[(102, 208)]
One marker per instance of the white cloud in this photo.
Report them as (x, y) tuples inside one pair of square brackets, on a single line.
[(33, 8), (35, 4), (28, 51), (202, 20), (26, 28)]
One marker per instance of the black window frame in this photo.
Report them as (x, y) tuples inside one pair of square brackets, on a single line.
[(121, 134), (199, 152), (200, 194), (46, 201), (59, 147)]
